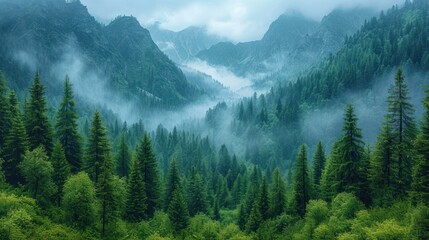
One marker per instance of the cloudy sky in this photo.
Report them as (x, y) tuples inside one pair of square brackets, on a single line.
[(237, 20)]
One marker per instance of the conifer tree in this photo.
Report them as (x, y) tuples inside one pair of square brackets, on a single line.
[(136, 200), (277, 195), (224, 161), (98, 148), (302, 185), (216, 210), (173, 182), (150, 174), (263, 200), (61, 171), (197, 199), (400, 117), (66, 128), (5, 120), (252, 190), (39, 129), (177, 212), (241, 222), (319, 160), (123, 158), (16, 143), (420, 186), (255, 218), (107, 195)]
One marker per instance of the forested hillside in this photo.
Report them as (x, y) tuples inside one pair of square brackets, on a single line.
[(245, 171)]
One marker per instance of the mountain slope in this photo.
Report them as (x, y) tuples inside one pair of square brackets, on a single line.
[(292, 44), (183, 45), (59, 37)]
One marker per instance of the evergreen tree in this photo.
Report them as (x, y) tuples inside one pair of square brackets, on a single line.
[(197, 199), (277, 195), (177, 212), (106, 193), (61, 171), (39, 129), (318, 166), (302, 185), (5, 120), (123, 158), (420, 186), (16, 143), (400, 117), (252, 190), (66, 128), (136, 201), (150, 174), (216, 210), (224, 161), (242, 218), (98, 148), (255, 218), (263, 200), (173, 182)]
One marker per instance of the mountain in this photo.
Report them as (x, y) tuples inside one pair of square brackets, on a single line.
[(183, 45), (291, 44), (60, 37)]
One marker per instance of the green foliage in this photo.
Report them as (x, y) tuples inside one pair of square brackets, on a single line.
[(123, 158), (98, 149), (277, 194), (302, 187), (173, 182), (39, 129), (177, 211), (79, 201), (136, 198), (16, 144), (61, 171), (197, 196), (4, 111), (66, 128), (263, 200), (319, 160), (37, 171)]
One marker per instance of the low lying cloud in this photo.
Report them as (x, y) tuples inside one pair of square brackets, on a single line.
[(239, 20)]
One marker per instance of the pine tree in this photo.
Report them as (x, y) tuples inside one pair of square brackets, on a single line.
[(277, 195), (255, 218), (252, 190), (263, 200), (241, 222), (319, 160), (123, 158), (420, 186), (302, 185), (350, 168), (39, 129), (400, 116), (177, 212), (66, 128), (150, 174), (173, 182), (224, 161), (61, 171), (16, 143), (216, 210), (136, 200), (105, 187), (5, 120), (197, 199), (98, 147)]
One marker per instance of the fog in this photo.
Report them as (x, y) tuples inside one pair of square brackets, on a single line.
[(238, 21)]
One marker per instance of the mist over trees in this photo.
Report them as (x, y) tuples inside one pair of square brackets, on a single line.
[(68, 175)]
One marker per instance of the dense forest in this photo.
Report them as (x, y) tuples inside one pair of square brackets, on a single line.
[(64, 175)]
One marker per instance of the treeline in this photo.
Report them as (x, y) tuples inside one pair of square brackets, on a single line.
[(54, 186)]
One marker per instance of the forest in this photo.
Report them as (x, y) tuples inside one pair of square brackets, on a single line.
[(76, 171)]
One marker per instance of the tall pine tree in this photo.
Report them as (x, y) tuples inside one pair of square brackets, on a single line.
[(16, 143), (66, 128), (173, 182), (5, 120), (278, 194), (98, 148), (61, 171), (319, 160), (123, 158), (150, 174), (420, 186), (39, 129), (197, 198), (400, 116), (136, 200), (302, 186), (263, 200)]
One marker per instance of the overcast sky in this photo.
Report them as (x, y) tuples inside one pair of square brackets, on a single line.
[(237, 20)]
